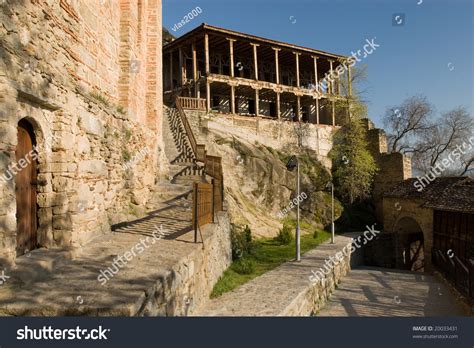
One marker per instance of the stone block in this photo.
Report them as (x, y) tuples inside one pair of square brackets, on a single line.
[(90, 124), (95, 167)]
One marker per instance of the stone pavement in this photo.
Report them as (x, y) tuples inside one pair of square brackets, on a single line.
[(285, 290), (387, 292)]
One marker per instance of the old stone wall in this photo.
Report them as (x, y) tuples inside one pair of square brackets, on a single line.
[(87, 76)]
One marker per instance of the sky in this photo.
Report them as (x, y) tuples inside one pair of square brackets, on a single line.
[(426, 50)]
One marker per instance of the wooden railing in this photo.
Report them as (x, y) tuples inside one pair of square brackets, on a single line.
[(461, 275), (193, 103), (187, 127), (207, 198)]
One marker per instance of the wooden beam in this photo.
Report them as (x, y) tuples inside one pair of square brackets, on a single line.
[(195, 73), (297, 54), (333, 112), (255, 60), (316, 73), (181, 68), (208, 96), (278, 105), (257, 103), (277, 67), (171, 70), (330, 83), (349, 80), (231, 54), (317, 110), (232, 99), (206, 52), (298, 108)]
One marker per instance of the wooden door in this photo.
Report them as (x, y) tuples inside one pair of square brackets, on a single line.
[(25, 181)]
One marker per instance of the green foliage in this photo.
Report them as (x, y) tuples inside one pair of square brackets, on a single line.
[(316, 233), (100, 98), (285, 235), (244, 266), (121, 109), (126, 155), (127, 133), (242, 241), (268, 254), (353, 165)]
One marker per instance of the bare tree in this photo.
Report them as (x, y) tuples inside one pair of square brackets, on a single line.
[(407, 122), (414, 130)]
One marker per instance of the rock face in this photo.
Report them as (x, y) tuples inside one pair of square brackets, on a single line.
[(91, 91), (260, 191)]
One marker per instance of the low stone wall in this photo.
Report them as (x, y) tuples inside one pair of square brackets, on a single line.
[(287, 290), (189, 283)]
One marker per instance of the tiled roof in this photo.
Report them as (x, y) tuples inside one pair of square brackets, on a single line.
[(444, 193)]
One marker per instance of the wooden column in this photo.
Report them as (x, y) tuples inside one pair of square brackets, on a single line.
[(315, 59), (171, 70), (317, 110), (333, 113), (181, 68), (298, 108), (257, 104), (232, 99), (297, 69), (231, 55), (206, 52), (277, 66), (349, 81), (195, 73), (255, 60), (278, 105), (208, 85), (330, 84)]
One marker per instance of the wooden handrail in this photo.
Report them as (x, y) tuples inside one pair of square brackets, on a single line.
[(192, 103), (187, 127)]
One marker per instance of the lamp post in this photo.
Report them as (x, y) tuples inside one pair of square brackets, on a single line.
[(291, 165), (332, 210)]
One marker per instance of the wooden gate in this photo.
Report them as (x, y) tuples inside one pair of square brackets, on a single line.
[(25, 183)]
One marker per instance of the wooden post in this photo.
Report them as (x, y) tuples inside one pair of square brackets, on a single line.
[(315, 59), (206, 52), (277, 66), (231, 55), (297, 69), (349, 81), (171, 70), (255, 60), (330, 83), (298, 107), (278, 105), (232, 99), (317, 110), (333, 112), (257, 104), (195, 211), (208, 85), (181, 68), (195, 74)]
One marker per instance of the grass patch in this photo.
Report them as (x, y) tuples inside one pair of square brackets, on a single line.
[(269, 254)]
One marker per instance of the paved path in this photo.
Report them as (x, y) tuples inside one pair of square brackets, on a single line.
[(386, 292), (283, 291)]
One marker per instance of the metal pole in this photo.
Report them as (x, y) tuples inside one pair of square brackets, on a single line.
[(332, 213), (298, 254)]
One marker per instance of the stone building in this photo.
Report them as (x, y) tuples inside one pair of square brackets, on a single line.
[(80, 118), (438, 218)]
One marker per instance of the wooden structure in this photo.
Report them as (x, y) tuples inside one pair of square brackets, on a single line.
[(244, 74), (207, 198)]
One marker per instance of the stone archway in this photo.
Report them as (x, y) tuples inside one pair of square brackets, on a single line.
[(410, 243)]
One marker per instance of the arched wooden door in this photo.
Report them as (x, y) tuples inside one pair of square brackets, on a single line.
[(25, 181)]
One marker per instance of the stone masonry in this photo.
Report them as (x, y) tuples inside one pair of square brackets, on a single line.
[(87, 76)]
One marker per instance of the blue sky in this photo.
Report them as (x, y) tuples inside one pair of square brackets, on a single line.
[(431, 53)]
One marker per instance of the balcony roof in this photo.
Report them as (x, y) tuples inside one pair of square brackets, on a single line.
[(203, 28)]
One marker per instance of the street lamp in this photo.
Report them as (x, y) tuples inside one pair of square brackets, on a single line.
[(332, 211), (291, 165)]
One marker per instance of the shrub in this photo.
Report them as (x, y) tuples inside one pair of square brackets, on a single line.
[(242, 241), (315, 234), (244, 266), (285, 235)]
